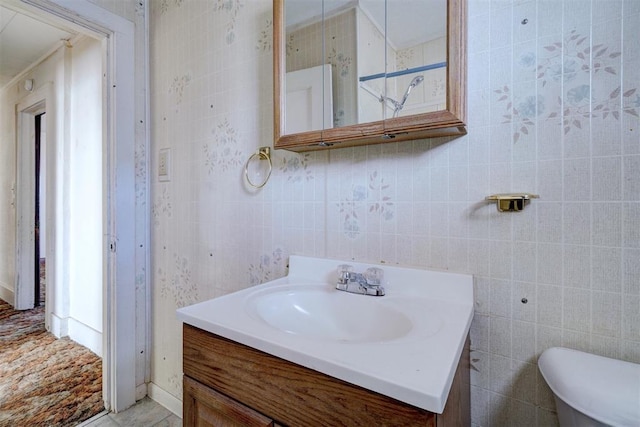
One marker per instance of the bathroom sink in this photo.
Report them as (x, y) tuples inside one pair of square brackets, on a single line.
[(405, 344), (322, 312)]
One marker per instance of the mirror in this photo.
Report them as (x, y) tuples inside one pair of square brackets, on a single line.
[(412, 35), (354, 72)]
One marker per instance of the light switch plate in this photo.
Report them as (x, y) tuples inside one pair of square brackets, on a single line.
[(164, 164)]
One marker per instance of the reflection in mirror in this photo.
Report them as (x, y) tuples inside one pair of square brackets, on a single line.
[(308, 99), (416, 57), (387, 59), (322, 33)]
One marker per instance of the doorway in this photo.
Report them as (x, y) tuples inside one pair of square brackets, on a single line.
[(74, 177), (125, 360), (30, 118), (39, 211)]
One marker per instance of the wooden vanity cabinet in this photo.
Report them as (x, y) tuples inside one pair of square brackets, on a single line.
[(203, 406), (230, 384)]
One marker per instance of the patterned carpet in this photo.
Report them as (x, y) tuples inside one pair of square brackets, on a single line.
[(44, 381)]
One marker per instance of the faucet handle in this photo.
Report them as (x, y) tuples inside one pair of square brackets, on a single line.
[(374, 276), (344, 272)]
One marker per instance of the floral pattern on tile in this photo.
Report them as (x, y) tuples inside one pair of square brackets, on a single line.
[(438, 87), (141, 174), (527, 60), (165, 5), (364, 198), (339, 61), (223, 152), (404, 57), (232, 8), (349, 208), (338, 117), (179, 288), (290, 45), (521, 114), (578, 105), (384, 206), (178, 86), (574, 54), (296, 167), (266, 37), (635, 103), (566, 61), (162, 207), (268, 267)]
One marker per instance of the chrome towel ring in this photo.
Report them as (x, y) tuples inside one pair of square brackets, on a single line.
[(263, 153)]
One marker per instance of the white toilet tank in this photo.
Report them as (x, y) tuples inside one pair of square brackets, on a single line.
[(592, 390)]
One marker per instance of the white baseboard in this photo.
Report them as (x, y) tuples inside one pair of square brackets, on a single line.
[(86, 336), (141, 391), (59, 326), (166, 399), (7, 295)]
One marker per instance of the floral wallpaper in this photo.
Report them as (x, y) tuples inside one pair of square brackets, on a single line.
[(266, 37), (166, 5), (232, 9), (570, 61), (179, 288), (177, 88), (405, 58), (223, 151), (370, 198), (340, 61), (162, 207), (269, 267), (296, 167), (553, 107)]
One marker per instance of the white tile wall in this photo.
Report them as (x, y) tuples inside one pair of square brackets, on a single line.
[(553, 110)]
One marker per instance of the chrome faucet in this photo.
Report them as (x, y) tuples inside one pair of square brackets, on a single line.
[(367, 283)]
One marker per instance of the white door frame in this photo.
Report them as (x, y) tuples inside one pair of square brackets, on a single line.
[(119, 296), (25, 277), (40, 101)]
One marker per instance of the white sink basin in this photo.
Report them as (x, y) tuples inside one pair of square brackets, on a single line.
[(405, 344), (322, 312)]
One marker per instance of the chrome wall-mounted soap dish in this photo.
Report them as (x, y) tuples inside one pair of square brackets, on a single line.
[(511, 202)]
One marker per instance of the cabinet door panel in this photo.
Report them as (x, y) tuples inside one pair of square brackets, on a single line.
[(204, 407)]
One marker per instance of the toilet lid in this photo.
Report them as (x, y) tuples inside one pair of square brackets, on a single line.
[(607, 390)]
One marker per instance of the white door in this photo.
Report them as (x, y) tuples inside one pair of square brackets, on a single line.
[(309, 102)]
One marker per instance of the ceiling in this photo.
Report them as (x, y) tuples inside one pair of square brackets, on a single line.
[(23, 41), (408, 22)]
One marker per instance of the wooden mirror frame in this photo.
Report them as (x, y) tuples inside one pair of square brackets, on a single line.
[(448, 122)]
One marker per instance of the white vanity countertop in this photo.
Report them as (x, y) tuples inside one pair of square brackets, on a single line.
[(416, 368)]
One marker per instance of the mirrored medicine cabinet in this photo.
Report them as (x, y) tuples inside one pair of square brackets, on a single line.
[(356, 72)]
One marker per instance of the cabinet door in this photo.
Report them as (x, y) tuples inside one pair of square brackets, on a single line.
[(204, 407)]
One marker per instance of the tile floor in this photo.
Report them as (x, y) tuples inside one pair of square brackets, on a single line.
[(145, 413)]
